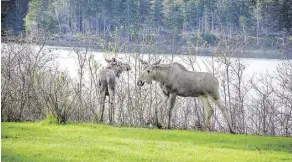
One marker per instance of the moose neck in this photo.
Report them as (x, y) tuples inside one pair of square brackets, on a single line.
[(117, 71), (160, 74)]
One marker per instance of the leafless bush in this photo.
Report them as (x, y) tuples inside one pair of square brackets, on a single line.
[(57, 94), (33, 86), (262, 104), (284, 94), (21, 65)]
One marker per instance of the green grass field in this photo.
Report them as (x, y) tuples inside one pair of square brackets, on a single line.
[(94, 142)]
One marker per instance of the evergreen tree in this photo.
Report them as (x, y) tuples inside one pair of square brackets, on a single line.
[(280, 15), (158, 15), (193, 13), (258, 18), (175, 17), (144, 11)]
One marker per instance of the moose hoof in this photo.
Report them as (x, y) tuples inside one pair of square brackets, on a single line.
[(232, 132)]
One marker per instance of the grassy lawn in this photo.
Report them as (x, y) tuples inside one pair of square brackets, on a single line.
[(93, 142)]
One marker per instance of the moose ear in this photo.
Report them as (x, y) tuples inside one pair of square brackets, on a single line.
[(143, 62), (157, 62), (108, 60)]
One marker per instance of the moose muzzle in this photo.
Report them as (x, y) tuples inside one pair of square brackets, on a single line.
[(140, 83)]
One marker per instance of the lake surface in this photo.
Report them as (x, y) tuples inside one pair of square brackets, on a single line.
[(67, 60)]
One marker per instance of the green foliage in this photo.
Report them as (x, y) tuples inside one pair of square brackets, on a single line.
[(12, 16), (40, 17), (175, 18), (193, 10), (95, 118), (144, 11), (157, 13), (242, 20), (106, 15), (92, 142), (167, 18), (210, 38), (280, 14), (50, 119), (32, 15)]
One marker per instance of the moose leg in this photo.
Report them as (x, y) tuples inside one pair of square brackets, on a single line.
[(171, 105), (111, 102), (102, 101), (113, 106), (162, 102), (226, 115), (207, 111)]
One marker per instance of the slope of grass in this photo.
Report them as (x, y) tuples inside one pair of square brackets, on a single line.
[(93, 142)]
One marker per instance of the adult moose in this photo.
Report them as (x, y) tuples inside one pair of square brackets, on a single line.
[(107, 84), (176, 80)]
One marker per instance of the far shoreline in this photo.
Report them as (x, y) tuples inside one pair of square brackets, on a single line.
[(140, 49)]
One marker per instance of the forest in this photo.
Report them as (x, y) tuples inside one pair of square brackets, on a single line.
[(170, 24), (34, 88)]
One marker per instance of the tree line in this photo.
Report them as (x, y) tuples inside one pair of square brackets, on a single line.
[(252, 16), (261, 23)]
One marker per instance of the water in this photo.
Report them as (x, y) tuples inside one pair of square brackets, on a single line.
[(67, 60)]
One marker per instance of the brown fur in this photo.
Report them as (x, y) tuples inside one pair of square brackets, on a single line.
[(176, 80), (107, 84)]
